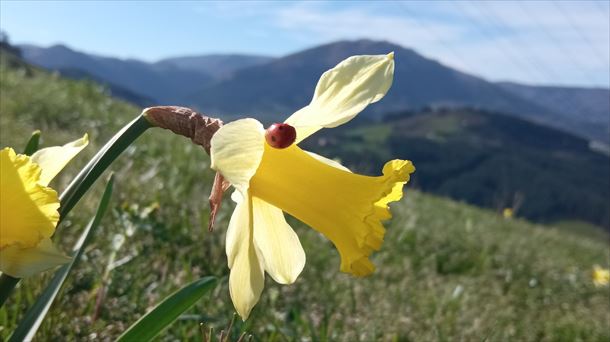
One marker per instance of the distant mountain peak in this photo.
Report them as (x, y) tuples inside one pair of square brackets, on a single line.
[(358, 46), (60, 47), (240, 84)]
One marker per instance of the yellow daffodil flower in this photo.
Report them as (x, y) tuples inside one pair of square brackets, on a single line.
[(346, 208), (28, 208), (600, 276)]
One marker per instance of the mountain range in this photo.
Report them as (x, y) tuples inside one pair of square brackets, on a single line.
[(272, 88), (165, 81)]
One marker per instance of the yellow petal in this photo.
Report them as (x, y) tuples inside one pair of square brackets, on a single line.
[(347, 208), (343, 92), (23, 262), (53, 159), (278, 245), (239, 219), (236, 150), (247, 277), (28, 210)]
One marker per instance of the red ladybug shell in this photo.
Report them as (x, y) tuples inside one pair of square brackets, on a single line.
[(280, 135)]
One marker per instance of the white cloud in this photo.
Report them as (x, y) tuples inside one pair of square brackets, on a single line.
[(542, 42), (312, 18)]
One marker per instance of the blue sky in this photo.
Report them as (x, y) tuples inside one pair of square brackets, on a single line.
[(540, 42)]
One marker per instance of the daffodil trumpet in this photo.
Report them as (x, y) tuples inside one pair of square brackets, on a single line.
[(271, 174)]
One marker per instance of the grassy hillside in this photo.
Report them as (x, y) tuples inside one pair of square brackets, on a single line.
[(447, 271), (486, 159)]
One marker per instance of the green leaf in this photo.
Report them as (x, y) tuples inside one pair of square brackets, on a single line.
[(33, 318), (100, 162), (159, 318), (32, 145), (7, 284)]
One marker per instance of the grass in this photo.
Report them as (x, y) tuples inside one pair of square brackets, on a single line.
[(447, 270)]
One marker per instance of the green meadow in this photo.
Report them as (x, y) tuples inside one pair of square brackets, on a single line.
[(447, 271)]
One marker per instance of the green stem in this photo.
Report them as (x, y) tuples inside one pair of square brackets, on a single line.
[(85, 178)]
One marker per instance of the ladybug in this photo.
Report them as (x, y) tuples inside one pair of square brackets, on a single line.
[(280, 135)]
